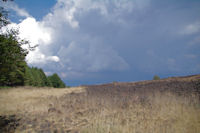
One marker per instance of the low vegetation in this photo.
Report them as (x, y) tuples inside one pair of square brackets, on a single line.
[(156, 77), (159, 106)]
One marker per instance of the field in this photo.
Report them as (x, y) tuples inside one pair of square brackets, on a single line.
[(169, 105)]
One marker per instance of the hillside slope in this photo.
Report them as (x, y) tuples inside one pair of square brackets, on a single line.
[(182, 85), (169, 105)]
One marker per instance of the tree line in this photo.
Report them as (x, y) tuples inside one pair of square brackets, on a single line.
[(14, 70), (36, 77)]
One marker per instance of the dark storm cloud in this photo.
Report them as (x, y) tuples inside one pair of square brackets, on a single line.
[(102, 41)]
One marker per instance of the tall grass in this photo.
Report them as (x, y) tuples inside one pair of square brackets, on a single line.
[(164, 106), (163, 113)]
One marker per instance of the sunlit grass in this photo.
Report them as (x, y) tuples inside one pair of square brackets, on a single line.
[(166, 113), (105, 109)]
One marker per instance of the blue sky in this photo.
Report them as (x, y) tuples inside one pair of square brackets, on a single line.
[(100, 41)]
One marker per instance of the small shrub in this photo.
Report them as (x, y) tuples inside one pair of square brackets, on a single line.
[(156, 77)]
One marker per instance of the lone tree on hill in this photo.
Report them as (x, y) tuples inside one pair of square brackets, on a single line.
[(156, 77)]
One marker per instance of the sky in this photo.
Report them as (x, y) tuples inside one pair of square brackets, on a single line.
[(101, 41)]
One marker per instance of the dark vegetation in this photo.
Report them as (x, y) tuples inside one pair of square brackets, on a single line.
[(36, 77), (177, 85), (12, 60), (14, 70), (156, 77), (8, 124)]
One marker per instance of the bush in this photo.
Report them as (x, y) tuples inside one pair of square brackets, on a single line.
[(156, 77)]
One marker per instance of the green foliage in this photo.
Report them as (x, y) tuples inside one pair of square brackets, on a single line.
[(56, 81), (5, 87), (49, 83), (13, 68), (36, 77), (43, 78), (28, 77), (12, 60), (12, 55), (3, 17), (156, 77)]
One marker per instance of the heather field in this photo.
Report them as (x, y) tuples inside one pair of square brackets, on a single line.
[(169, 105), (99, 66)]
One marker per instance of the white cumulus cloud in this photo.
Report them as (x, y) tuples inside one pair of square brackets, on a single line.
[(34, 31), (37, 34), (68, 45)]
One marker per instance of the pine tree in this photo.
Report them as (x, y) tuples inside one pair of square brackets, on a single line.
[(12, 55), (12, 60), (13, 68), (56, 81), (49, 83), (29, 79), (36, 76), (43, 77)]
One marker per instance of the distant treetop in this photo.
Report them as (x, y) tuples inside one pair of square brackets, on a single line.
[(156, 77)]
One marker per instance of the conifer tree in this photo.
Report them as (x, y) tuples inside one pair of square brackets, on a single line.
[(28, 77), (56, 81), (12, 55), (43, 77), (12, 60), (13, 68)]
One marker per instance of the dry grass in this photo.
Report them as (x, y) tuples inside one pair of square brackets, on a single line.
[(164, 113), (163, 106), (29, 99)]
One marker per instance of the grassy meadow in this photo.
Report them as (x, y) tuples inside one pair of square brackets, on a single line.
[(161, 106)]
